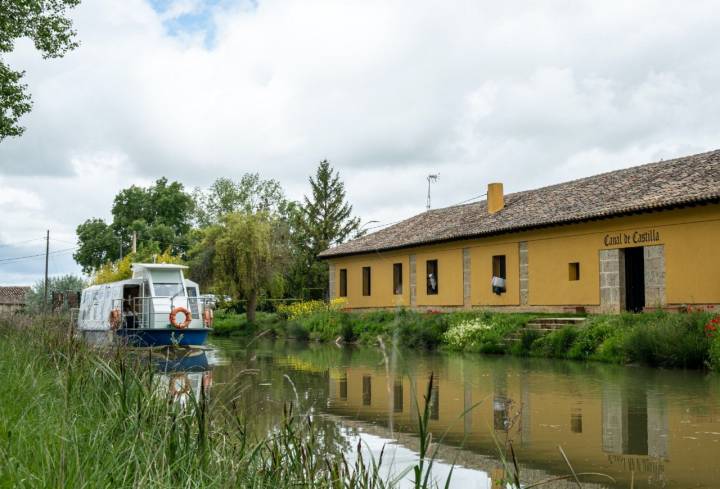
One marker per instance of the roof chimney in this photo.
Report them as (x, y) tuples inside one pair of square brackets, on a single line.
[(495, 198)]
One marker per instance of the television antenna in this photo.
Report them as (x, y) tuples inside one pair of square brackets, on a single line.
[(432, 178)]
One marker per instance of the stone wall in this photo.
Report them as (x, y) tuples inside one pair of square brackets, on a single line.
[(413, 282), (331, 281), (612, 280), (467, 278), (654, 276), (524, 280)]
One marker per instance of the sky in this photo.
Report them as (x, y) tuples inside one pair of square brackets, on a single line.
[(519, 92)]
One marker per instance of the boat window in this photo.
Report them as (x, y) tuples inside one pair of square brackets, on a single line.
[(193, 301), (168, 290)]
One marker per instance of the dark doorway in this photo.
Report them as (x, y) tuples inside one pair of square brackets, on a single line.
[(634, 279)]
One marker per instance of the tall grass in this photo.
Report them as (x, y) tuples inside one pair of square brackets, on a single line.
[(71, 416)]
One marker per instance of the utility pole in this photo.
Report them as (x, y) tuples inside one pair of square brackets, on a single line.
[(120, 242), (47, 256), (134, 242), (432, 178)]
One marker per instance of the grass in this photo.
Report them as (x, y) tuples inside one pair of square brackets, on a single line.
[(71, 416)]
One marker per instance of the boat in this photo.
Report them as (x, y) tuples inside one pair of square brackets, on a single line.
[(158, 306)]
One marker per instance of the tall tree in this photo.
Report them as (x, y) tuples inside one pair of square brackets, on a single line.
[(250, 194), (324, 219), (160, 215), (248, 257), (46, 23), (97, 244)]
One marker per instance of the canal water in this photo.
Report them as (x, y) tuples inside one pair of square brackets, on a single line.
[(645, 428)]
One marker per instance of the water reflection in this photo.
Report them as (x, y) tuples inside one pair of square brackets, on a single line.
[(658, 428), (184, 374)]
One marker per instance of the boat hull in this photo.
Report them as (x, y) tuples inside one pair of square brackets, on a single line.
[(162, 337)]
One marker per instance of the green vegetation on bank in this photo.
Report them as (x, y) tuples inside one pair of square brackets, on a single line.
[(677, 340), (71, 416)]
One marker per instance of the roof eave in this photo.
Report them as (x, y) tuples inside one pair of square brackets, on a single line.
[(597, 217)]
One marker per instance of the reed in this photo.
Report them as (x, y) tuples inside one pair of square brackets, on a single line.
[(74, 416)]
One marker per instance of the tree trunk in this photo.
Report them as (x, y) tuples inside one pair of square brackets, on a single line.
[(251, 306)]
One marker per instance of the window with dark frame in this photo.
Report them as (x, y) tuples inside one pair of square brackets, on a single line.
[(366, 281), (435, 402), (431, 274), (367, 390), (343, 386), (574, 271), (498, 264), (398, 396), (397, 279), (499, 274), (343, 282)]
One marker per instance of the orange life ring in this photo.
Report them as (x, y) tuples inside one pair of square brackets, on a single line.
[(173, 319), (208, 316), (115, 318), (179, 384)]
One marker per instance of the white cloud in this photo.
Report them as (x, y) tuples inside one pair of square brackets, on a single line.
[(389, 91)]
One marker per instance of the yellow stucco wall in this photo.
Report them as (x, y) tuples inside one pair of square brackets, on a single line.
[(450, 277), (691, 240), (381, 267), (481, 274)]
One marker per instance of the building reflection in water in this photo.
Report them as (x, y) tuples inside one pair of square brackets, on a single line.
[(621, 425), (634, 422)]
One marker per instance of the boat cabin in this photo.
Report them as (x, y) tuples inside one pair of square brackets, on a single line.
[(144, 302)]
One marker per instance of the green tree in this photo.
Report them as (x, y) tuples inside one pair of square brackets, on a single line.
[(251, 194), (46, 23), (161, 216), (245, 255), (35, 298), (324, 219), (97, 244)]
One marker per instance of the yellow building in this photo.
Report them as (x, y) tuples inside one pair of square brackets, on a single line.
[(635, 239)]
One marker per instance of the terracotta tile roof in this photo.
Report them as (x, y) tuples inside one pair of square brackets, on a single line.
[(682, 181), (13, 295)]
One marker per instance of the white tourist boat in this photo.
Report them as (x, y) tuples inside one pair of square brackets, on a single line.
[(157, 306)]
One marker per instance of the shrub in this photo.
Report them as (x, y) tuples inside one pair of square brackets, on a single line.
[(524, 346), (466, 332), (555, 344)]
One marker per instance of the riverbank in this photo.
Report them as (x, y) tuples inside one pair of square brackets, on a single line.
[(659, 339), (72, 416)]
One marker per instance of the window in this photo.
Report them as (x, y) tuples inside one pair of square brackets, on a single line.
[(574, 271), (366, 280), (168, 290), (397, 279), (499, 274), (398, 396), (498, 262), (435, 402), (576, 421), (343, 386), (431, 273), (343, 282), (367, 390)]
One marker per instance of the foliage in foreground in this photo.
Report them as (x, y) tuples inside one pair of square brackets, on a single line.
[(75, 417)]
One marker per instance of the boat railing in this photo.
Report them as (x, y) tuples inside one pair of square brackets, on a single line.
[(140, 312)]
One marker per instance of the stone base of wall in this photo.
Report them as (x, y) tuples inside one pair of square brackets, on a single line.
[(612, 280)]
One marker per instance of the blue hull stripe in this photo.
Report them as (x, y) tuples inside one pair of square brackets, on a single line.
[(159, 337)]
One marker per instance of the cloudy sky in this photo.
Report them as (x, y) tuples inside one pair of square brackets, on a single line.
[(527, 93)]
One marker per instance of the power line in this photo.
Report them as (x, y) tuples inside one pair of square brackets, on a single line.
[(4, 245), (19, 258)]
